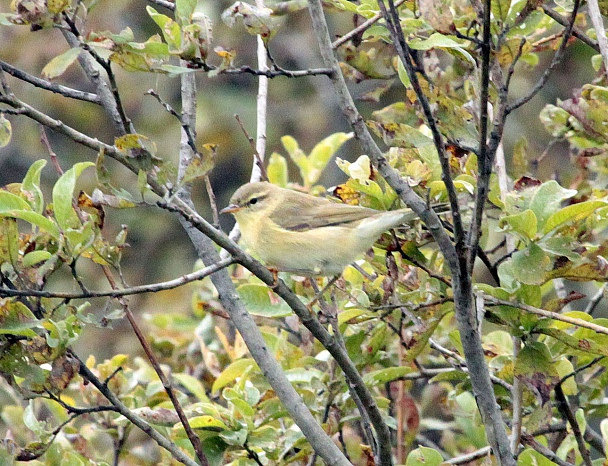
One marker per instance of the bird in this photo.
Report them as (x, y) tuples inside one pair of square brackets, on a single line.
[(307, 235)]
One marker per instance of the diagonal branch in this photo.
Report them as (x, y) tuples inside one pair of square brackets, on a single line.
[(393, 22), (50, 86)]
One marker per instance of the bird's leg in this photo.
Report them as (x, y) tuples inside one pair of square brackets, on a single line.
[(319, 294), (275, 277)]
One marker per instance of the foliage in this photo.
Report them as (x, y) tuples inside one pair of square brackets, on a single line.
[(396, 317)]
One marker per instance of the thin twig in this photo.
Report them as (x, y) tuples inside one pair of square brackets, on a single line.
[(45, 142), (576, 32), (557, 57), (552, 315), (468, 457), (194, 439), (529, 440), (161, 440), (152, 288), (258, 160), (362, 27), (596, 298)]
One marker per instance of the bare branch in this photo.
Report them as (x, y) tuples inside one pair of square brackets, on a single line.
[(362, 27), (550, 314), (50, 86), (576, 32), (162, 441), (116, 293), (557, 58)]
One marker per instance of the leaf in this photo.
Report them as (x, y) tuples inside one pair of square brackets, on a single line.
[(257, 300), (63, 194), (184, 10), (200, 164), (440, 41), (424, 456), (524, 224), (58, 65), (437, 13), (35, 257), (322, 153), (257, 20), (6, 131), (17, 319), (206, 423), (572, 213), (171, 31), (383, 376), (10, 202), (277, 170), (527, 266), (31, 185), (232, 372), (193, 385), (45, 224), (547, 200)]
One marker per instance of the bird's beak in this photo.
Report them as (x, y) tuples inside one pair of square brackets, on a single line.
[(230, 209)]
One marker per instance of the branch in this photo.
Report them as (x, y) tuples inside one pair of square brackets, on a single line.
[(597, 20), (550, 314), (557, 57), (576, 32), (50, 86), (173, 449), (595, 300), (527, 439), (393, 21), (564, 408), (469, 457), (194, 439), (116, 293), (362, 27), (275, 72)]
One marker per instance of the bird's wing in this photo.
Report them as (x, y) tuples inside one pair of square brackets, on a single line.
[(322, 213)]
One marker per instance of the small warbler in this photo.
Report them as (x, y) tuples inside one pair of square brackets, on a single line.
[(307, 235)]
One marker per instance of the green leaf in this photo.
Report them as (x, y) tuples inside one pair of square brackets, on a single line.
[(170, 29), (527, 266), (572, 213), (184, 10), (58, 65), (45, 224), (383, 376), (440, 41), (424, 456), (63, 194), (322, 153), (277, 170), (206, 423), (35, 257), (257, 300), (534, 357), (192, 384), (524, 224), (17, 319), (5, 131), (10, 202), (31, 185), (547, 200), (9, 241), (232, 372)]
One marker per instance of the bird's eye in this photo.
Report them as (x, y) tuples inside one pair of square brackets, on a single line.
[(253, 201)]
